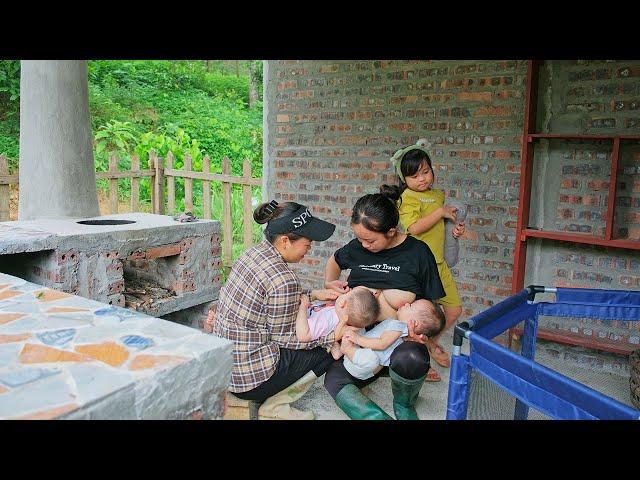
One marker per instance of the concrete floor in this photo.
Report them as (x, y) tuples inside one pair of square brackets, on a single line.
[(432, 402)]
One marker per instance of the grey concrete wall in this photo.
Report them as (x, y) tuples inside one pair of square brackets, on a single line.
[(57, 173)]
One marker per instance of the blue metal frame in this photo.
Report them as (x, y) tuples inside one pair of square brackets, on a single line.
[(532, 384)]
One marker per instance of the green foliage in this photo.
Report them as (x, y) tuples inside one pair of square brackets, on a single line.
[(178, 106), (114, 136), (9, 81), (9, 110), (9, 143)]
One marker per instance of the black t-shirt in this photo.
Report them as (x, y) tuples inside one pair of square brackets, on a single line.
[(409, 266)]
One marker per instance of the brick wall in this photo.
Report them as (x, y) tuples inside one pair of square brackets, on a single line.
[(331, 127)]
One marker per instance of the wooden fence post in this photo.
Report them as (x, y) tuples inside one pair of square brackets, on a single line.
[(152, 179), (227, 230), (135, 184), (158, 185), (113, 184), (5, 192), (206, 189), (171, 185), (247, 220), (188, 185)]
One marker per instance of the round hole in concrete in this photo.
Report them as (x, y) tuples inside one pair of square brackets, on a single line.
[(105, 222)]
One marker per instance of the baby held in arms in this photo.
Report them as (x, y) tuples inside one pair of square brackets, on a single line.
[(357, 308), (367, 352)]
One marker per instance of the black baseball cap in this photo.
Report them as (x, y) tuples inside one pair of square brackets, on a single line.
[(301, 222)]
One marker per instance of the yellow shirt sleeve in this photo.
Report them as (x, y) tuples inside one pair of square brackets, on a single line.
[(416, 205), (409, 210)]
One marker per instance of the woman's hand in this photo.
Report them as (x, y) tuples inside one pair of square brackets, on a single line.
[(458, 230), (449, 211), (304, 301), (339, 286), (324, 294)]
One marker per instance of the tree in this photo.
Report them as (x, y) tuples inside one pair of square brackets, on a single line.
[(254, 77)]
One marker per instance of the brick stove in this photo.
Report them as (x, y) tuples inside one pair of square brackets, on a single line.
[(149, 263)]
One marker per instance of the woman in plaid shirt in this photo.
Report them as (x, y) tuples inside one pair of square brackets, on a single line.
[(257, 310)]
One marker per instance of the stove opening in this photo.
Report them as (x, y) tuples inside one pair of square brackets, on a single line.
[(150, 279), (105, 222)]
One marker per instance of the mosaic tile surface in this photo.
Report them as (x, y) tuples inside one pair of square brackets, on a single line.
[(63, 356)]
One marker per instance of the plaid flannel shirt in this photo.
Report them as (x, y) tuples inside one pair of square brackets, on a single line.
[(257, 310)]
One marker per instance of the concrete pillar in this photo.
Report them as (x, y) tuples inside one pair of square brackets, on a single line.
[(57, 173)]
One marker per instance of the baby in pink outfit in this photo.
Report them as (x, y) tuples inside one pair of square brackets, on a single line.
[(357, 308)]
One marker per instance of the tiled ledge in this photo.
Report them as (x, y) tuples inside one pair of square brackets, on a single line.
[(64, 356)]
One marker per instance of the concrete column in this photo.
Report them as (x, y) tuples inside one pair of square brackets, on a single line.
[(57, 173), (268, 93)]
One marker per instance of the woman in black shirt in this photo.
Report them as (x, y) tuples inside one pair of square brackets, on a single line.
[(382, 257)]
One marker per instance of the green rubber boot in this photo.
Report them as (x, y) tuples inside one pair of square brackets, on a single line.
[(358, 406), (405, 394)]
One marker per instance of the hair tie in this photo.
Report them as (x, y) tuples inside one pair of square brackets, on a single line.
[(396, 160), (270, 208)]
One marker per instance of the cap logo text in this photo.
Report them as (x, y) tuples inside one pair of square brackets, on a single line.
[(301, 219)]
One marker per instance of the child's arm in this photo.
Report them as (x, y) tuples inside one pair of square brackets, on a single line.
[(348, 348), (425, 223), (384, 341), (302, 321), (336, 351), (339, 331)]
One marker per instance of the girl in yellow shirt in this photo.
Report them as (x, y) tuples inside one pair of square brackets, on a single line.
[(422, 214)]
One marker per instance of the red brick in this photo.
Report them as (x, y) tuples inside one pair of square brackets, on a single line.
[(56, 277), (402, 127), (163, 251), (503, 154), (285, 153), (287, 85), (181, 287), (474, 96), (137, 255), (302, 94), (116, 287), (329, 68), (66, 257), (493, 111), (598, 185)]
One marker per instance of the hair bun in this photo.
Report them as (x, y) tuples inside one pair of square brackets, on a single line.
[(390, 191), (264, 212)]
